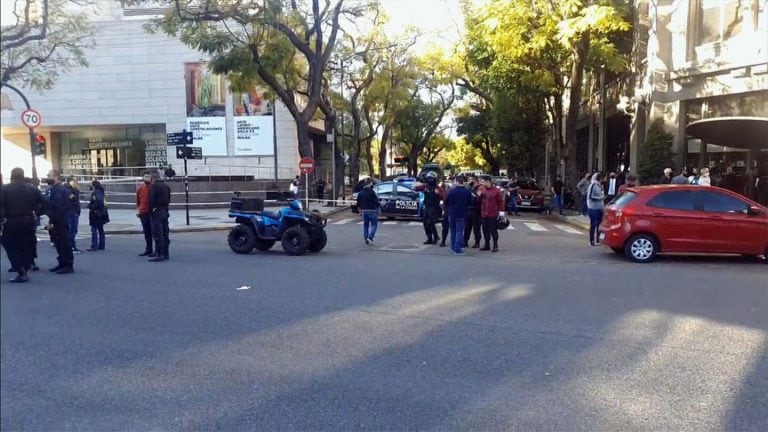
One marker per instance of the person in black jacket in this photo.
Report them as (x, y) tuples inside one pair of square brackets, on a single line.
[(432, 212), (368, 203), (473, 216), (19, 204), (59, 208), (159, 200)]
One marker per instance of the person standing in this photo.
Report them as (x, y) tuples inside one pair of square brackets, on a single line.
[(611, 187), (446, 224), (431, 215), (368, 204), (491, 208), (320, 187), (59, 206), (295, 188), (694, 177), (557, 194), (666, 178), (631, 182), (19, 204), (681, 178), (142, 211), (457, 206), (98, 216), (595, 204), (159, 200), (473, 220), (74, 215), (582, 187), (514, 191), (704, 178)]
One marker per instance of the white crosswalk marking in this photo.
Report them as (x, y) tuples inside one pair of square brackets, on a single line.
[(510, 227), (415, 224), (536, 227), (568, 229), (343, 221), (360, 223), (390, 223)]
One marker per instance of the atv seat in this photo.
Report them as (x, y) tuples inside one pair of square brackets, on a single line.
[(269, 214)]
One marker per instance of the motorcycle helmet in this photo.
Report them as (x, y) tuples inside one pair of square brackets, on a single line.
[(502, 223)]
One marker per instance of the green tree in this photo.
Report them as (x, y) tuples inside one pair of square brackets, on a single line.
[(46, 37), (656, 153), (463, 156)]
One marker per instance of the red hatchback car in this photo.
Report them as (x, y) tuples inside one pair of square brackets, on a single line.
[(646, 220)]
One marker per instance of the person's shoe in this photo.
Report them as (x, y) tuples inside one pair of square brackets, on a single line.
[(428, 242), (367, 242), (476, 245), (66, 270), (146, 253), (461, 252), (92, 249), (21, 278), (592, 243), (12, 270), (76, 251), (437, 239), (442, 244), (55, 269), (157, 259), (101, 248), (166, 257), (485, 248), (495, 249), (370, 241), (152, 255)]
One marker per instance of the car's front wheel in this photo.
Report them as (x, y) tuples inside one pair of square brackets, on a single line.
[(641, 248)]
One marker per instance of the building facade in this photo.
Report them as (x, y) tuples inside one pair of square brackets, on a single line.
[(113, 116), (691, 60)]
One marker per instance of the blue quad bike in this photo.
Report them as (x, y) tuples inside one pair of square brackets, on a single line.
[(256, 228)]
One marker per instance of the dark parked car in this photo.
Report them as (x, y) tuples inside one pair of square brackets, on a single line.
[(397, 199), (647, 220)]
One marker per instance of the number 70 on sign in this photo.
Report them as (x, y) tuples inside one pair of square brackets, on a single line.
[(31, 118)]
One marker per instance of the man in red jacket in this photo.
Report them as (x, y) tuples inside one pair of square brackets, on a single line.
[(491, 208), (142, 211)]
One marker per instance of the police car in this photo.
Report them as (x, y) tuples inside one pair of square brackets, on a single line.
[(398, 199)]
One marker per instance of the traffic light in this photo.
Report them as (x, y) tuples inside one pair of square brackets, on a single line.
[(40, 146)]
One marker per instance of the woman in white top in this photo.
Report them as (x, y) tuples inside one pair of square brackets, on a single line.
[(704, 178)]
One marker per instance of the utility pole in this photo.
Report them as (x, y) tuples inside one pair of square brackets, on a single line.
[(32, 136)]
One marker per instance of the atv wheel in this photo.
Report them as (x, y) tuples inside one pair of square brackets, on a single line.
[(264, 245), (295, 240), (242, 239), (319, 243)]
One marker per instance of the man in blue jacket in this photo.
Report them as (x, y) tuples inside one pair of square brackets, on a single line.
[(457, 205), (59, 208)]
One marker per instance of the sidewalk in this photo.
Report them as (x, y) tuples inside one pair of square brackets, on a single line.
[(577, 221), (124, 221)]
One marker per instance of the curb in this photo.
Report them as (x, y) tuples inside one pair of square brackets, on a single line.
[(572, 220)]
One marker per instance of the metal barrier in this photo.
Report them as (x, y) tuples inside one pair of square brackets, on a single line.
[(197, 172)]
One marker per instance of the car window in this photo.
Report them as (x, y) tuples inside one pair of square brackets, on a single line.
[(676, 200), (720, 202), (625, 198), (384, 189), (527, 184), (403, 189)]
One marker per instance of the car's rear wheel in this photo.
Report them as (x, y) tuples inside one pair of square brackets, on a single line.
[(641, 248), (242, 239), (295, 240)]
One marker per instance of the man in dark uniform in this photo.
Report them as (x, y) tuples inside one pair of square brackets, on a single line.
[(432, 197), (473, 215), (59, 207), (19, 203), (159, 200)]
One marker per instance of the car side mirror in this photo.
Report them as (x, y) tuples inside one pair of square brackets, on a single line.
[(755, 211)]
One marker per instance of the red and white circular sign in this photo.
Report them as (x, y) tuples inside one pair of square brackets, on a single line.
[(31, 118), (307, 165)]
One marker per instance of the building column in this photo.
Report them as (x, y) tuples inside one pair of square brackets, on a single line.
[(636, 137), (681, 140)]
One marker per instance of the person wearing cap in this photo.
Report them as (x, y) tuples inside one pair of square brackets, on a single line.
[(20, 202), (491, 208)]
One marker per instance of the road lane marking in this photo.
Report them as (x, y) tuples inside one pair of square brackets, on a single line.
[(343, 221), (415, 224), (568, 229), (535, 227), (510, 227), (390, 223)]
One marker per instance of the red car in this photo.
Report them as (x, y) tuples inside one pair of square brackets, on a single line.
[(646, 220), (530, 195)]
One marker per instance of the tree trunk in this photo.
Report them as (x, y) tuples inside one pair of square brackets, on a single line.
[(383, 152), (580, 52), (305, 141), (369, 156), (354, 157), (413, 160)]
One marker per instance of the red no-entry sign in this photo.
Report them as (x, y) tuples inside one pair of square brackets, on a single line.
[(307, 165)]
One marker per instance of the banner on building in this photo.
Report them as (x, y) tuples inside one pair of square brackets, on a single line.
[(210, 134), (254, 136)]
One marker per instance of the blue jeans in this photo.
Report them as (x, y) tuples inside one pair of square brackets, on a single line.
[(557, 201), (584, 205), (512, 206), (457, 232), (97, 237), (74, 219), (370, 219), (595, 218)]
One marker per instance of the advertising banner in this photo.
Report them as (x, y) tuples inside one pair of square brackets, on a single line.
[(206, 108), (254, 136), (210, 134)]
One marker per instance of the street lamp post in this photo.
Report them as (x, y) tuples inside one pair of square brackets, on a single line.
[(31, 130)]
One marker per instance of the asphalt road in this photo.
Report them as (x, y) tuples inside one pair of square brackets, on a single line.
[(548, 334)]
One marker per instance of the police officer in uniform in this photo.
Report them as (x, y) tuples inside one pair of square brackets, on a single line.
[(159, 200), (431, 214), (473, 216), (19, 203), (59, 208)]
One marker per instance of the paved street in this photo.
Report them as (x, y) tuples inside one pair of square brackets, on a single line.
[(548, 334)]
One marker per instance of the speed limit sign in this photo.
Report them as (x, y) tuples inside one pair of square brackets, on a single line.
[(31, 118)]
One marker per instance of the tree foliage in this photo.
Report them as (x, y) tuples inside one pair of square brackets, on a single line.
[(47, 37), (656, 154)]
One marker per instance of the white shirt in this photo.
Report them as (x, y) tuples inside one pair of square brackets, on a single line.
[(612, 186)]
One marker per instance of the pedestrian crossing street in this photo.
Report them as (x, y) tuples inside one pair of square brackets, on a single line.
[(516, 225)]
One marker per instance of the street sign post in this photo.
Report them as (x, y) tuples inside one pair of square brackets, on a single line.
[(31, 118), (182, 140), (306, 165)]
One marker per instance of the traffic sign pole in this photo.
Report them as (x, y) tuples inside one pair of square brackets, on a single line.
[(186, 179), (306, 166)]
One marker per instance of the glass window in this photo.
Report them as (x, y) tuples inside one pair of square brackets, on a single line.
[(383, 189), (720, 20), (403, 189), (625, 198), (720, 202), (676, 200)]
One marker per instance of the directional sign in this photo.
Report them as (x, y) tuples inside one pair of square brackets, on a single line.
[(306, 165), (183, 152), (180, 138), (31, 118)]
